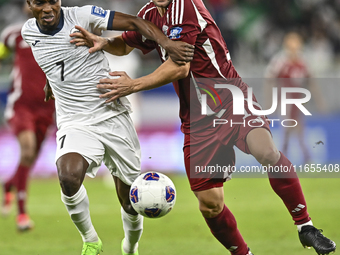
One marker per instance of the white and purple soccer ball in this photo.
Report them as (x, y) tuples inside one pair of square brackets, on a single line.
[(153, 195)]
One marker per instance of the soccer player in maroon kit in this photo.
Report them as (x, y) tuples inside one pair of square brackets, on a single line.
[(289, 69), (190, 21), (28, 116)]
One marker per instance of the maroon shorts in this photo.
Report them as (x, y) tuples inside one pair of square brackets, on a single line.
[(25, 120), (212, 148)]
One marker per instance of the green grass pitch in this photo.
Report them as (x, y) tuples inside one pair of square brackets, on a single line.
[(262, 219)]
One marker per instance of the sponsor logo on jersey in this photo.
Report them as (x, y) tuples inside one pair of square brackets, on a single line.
[(98, 11), (35, 43), (175, 32)]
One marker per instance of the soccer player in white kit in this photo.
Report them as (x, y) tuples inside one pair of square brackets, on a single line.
[(90, 131)]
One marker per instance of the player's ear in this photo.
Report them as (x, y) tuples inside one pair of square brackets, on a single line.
[(28, 3)]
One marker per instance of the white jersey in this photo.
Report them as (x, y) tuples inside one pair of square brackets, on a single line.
[(72, 71)]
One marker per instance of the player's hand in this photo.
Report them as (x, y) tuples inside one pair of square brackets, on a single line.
[(180, 52), (85, 38), (48, 92), (119, 87)]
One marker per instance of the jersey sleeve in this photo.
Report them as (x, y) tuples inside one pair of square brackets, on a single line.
[(95, 18), (136, 40), (9, 34), (185, 21)]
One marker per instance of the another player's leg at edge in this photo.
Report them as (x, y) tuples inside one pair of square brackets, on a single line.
[(222, 222), (29, 148), (262, 147)]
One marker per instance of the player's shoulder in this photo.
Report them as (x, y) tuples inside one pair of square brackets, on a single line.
[(147, 9), (304, 59), (29, 27), (280, 58), (186, 6), (79, 10), (276, 63), (186, 11), (90, 9), (84, 13), (67, 10), (11, 29), (70, 12)]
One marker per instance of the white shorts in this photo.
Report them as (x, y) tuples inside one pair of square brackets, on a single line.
[(113, 141)]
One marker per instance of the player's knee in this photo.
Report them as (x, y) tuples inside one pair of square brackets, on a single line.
[(210, 208), (71, 172), (127, 207), (69, 183), (269, 156), (27, 157)]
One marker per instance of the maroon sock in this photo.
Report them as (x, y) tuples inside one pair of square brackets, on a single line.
[(224, 228), (21, 184), (10, 183), (287, 186)]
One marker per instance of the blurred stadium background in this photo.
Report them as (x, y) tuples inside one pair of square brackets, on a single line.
[(253, 30)]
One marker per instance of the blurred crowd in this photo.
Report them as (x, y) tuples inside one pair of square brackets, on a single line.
[(253, 29)]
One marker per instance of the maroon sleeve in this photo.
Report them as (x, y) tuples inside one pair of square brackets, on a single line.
[(10, 34), (185, 25), (135, 40)]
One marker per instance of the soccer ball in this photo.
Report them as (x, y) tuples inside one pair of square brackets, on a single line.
[(153, 195)]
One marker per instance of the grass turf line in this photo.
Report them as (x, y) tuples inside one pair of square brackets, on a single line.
[(262, 220)]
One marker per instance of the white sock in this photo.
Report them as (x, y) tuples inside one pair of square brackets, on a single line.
[(133, 229), (299, 227), (78, 208)]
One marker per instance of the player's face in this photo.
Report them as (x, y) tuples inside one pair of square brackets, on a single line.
[(46, 12), (293, 42), (161, 3)]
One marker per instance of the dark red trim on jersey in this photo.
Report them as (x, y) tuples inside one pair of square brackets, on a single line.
[(109, 24)]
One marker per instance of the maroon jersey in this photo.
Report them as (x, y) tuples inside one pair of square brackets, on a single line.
[(190, 21), (291, 73), (28, 78)]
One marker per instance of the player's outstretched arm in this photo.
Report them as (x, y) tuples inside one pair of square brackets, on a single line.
[(115, 45), (180, 52), (168, 72)]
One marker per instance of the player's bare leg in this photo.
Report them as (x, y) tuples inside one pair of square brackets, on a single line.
[(221, 221), (28, 153), (132, 221), (287, 186), (71, 172)]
